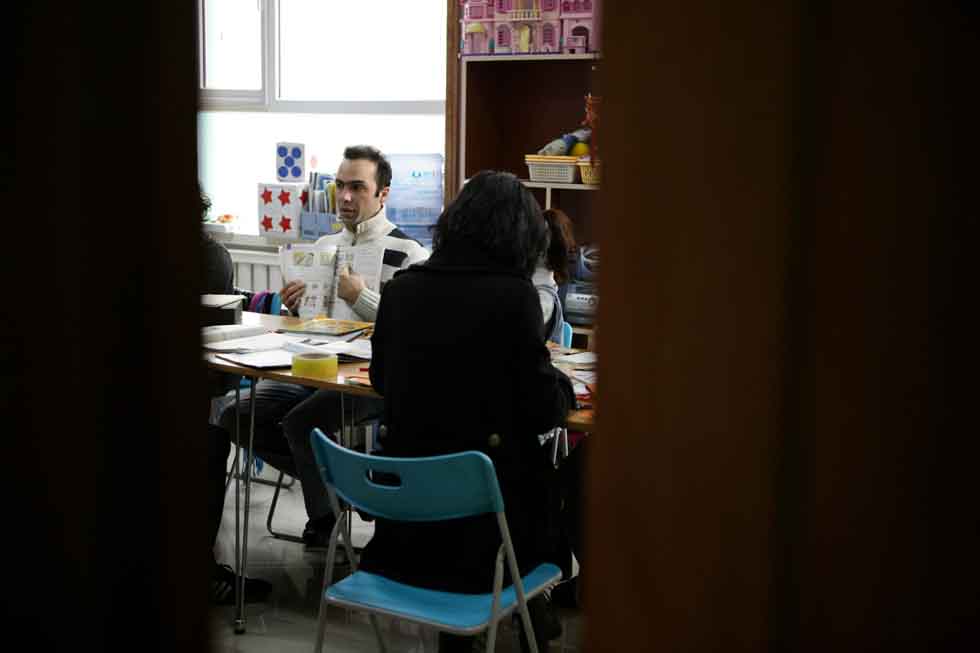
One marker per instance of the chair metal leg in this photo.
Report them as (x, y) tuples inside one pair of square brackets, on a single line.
[(338, 527), (554, 447), (265, 481), (321, 627), (498, 582), (518, 583), (377, 632), (272, 511), (232, 473)]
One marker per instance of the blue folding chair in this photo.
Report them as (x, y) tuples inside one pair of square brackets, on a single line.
[(430, 489), (566, 334)]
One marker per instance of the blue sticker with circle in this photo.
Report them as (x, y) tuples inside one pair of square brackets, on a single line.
[(296, 171), (289, 162), (297, 153), (282, 151), (283, 171)]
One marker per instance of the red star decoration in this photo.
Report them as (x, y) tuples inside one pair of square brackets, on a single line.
[(266, 196), (266, 223), (304, 197), (284, 223), (284, 197)]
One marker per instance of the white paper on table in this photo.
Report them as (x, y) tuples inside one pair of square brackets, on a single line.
[(263, 342), (357, 349), (585, 376), (219, 332), (261, 359), (580, 358)]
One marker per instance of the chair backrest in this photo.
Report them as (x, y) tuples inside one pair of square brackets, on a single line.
[(432, 488), (566, 334)]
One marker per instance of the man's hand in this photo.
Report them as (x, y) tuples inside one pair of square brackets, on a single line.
[(291, 293), (349, 285)]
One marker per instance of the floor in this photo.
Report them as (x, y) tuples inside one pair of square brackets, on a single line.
[(287, 622)]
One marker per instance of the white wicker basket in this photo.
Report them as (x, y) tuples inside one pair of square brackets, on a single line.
[(551, 169)]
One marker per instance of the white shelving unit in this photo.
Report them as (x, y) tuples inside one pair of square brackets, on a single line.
[(548, 187)]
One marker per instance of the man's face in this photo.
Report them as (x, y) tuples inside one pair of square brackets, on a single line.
[(356, 193)]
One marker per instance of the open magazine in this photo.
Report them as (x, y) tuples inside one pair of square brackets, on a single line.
[(318, 267)]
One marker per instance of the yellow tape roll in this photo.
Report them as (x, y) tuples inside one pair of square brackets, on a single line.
[(315, 366)]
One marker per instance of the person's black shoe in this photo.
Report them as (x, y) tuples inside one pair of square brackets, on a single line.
[(316, 535), (567, 593), (223, 587), (544, 620)]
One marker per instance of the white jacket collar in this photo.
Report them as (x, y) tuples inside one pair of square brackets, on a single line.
[(373, 228)]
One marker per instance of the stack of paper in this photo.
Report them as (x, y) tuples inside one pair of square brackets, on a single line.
[(221, 332), (263, 342)]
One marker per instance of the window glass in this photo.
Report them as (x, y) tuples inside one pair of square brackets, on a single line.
[(232, 45), (237, 150), (369, 50)]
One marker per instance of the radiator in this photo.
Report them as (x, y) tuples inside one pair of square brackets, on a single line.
[(256, 271)]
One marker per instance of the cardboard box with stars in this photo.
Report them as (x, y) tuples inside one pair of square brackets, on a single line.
[(279, 209)]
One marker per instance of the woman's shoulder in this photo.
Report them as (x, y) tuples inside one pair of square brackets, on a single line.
[(543, 277)]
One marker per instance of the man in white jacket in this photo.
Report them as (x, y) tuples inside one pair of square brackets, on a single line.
[(282, 409)]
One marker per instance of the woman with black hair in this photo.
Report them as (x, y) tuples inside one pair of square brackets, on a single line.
[(459, 357)]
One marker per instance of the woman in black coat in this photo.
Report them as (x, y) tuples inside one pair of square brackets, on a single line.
[(459, 355)]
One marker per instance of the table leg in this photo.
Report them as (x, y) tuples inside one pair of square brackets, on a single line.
[(346, 440), (242, 555), (239, 620)]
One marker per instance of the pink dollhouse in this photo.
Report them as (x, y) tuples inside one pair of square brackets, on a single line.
[(529, 26)]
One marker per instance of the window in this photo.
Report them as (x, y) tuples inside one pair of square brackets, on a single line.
[(324, 73), (548, 5), (364, 51), (233, 45), (503, 37), (548, 33)]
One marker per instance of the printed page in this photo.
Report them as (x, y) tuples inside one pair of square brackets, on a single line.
[(365, 261), (315, 267)]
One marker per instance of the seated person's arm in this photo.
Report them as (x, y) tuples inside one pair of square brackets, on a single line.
[(545, 393)]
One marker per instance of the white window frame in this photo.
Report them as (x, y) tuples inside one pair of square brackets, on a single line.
[(267, 98)]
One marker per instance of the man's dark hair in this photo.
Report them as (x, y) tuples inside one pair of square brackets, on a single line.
[(495, 214), (383, 174)]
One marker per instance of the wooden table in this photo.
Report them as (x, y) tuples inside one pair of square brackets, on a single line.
[(579, 420)]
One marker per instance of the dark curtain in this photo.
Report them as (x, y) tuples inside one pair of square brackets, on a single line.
[(786, 349), (103, 404)]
